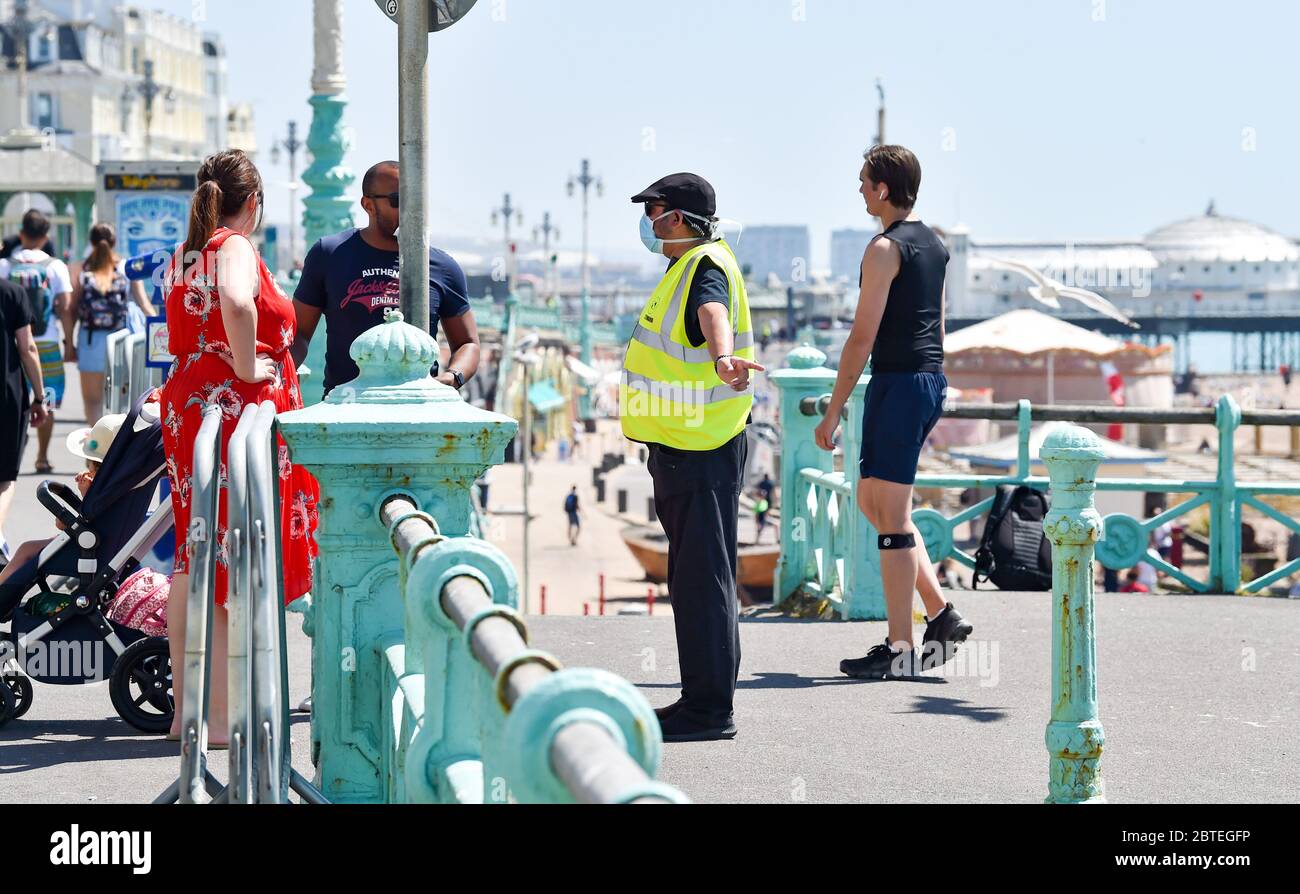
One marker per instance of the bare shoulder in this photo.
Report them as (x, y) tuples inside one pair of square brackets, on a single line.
[(881, 256), (237, 248)]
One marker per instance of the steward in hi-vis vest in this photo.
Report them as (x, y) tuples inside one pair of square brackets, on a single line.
[(686, 394), (671, 392)]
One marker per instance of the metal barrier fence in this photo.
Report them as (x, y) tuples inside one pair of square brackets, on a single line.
[(476, 716), (828, 548), (126, 377), (257, 672)]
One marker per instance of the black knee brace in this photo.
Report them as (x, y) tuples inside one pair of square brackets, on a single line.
[(896, 541)]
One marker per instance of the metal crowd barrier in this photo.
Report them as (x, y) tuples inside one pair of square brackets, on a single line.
[(477, 716), (126, 377), (260, 770)]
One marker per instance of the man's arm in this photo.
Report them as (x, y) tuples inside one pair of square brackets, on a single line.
[(309, 301), (715, 325), (31, 361), (880, 264), (458, 323), (308, 319), (462, 339)]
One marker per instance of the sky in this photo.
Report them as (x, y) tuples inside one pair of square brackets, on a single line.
[(1032, 119)]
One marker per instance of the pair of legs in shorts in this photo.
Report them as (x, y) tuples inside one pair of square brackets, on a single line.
[(901, 410)]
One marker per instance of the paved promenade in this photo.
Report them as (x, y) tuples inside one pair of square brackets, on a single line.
[(1200, 698)]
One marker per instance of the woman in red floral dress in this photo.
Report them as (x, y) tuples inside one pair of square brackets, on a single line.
[(229, 327)]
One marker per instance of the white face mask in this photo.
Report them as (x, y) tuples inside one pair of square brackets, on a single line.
[(656, 245)]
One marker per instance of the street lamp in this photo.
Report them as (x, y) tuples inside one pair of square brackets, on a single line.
[(21, 29), (505, 214), (586, 180), (527, 358), (149, 90), (544, 234), (290, 145)]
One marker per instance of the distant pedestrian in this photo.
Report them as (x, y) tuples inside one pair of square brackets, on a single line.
[(1285, 369), (22, 393), (101, 299), (767, 487), (1132, 584), (761, 507), (48, 285), (574, 512)]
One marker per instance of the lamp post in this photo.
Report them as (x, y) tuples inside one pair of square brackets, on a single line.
[(21, 29), (586, 180), (544, 234), (149, 90), (526, 357), (504, 215), (290, 146)]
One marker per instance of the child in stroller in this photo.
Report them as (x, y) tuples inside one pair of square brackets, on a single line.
[(54, 599)]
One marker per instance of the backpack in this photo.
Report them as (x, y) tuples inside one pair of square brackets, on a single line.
[(1014, 552), (33, 277), (571, 503), (105, 311)]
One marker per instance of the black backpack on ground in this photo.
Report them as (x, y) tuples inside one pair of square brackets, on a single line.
[(1014, 552)]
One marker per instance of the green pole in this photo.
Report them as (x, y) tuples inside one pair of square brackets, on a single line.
[(1074, 734)]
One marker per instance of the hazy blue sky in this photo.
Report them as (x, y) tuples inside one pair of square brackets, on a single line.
[(1061, 119)]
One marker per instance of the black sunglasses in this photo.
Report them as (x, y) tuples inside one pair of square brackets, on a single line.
[(391, 196)]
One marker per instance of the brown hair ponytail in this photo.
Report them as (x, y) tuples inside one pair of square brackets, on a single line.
[(103, 259), (226, 180)]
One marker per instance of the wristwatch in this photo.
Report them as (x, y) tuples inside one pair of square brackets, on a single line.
[(457, 377)]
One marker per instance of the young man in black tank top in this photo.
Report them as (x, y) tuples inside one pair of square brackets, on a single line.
[(899, 323)]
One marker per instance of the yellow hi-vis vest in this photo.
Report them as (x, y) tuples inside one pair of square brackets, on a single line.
[(670, 393)]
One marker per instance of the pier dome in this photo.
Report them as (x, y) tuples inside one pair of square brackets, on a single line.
[(1213, 237)]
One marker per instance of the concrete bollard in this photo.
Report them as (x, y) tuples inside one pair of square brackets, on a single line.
[(1074, 734)]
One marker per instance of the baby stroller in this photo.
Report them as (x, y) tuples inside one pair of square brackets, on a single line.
[(55, 604)]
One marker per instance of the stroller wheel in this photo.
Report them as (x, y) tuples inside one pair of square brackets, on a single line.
[(141, 685), (21, 687), (7, 705)]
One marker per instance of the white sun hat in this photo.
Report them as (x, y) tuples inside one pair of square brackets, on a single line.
[(93, 443)]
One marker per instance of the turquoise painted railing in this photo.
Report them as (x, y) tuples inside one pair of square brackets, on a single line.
[(828, 548), (476, 716), (491, 317)]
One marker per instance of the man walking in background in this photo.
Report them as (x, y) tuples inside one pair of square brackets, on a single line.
[(48, 286)]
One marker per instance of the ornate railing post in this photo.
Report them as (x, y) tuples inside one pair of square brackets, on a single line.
[(1074, 734), (805, 377), (1225, 526), (393, 430), (808, 378)]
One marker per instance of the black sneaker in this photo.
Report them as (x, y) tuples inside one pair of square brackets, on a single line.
[(882, 663), (680, 727), (942, 636), (668, 710)]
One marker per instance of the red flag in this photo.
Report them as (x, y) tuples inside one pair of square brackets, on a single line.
[(1115, 384)]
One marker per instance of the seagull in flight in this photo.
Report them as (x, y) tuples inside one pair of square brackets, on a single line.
[(1048, 291)]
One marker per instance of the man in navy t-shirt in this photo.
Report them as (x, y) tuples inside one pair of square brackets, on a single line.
[(352, 278)]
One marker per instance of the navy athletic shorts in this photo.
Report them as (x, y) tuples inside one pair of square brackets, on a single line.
[(901, 411)]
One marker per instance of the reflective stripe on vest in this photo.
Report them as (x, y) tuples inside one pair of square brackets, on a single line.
[(670, 392)]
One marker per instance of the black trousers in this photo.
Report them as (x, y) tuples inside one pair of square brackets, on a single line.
[(697, 498)]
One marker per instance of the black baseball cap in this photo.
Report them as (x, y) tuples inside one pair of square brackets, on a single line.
[(684, 192)]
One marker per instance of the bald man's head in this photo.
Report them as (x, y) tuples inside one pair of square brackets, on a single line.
[(378, 186)]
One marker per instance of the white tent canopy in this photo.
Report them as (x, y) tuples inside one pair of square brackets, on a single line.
[(1028, 332), (1003, 453)]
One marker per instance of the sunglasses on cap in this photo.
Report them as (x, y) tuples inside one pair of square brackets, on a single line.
[(391, 196)]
